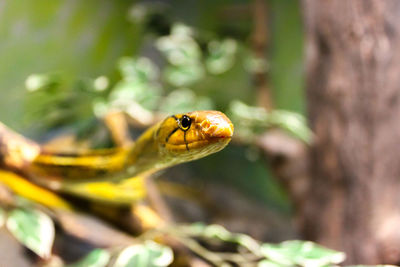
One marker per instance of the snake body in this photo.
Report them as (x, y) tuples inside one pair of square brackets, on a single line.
[(109, 173)]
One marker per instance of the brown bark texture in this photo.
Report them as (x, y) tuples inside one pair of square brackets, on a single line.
[(353, 91)]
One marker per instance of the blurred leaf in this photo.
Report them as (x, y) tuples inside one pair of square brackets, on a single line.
[(181, 30), (138, 87), (248, 113), (96, 258), (302, 253), (179, 47), (184, 100), (23, 202), (32, 228), (139, 69), (221, 56), (292, 122), (50, 106), (250, 121), (2, 217), (138, 13), (184, 55), (36, 82), (83, 42), (101, 107), (267, 263), (100, 83), (184, 75), (221, 233), (145, 94), (179, 50), (149, 254)]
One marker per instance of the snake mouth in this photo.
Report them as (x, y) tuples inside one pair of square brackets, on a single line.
[(210, 145)]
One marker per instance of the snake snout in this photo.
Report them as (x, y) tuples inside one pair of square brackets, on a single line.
[(217, 125)]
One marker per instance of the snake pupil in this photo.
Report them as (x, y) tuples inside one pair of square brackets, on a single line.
[(185, 122)]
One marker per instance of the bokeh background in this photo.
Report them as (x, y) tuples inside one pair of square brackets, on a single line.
[(65, 64), (85, 40)]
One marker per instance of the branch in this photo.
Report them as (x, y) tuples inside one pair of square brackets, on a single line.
[(259, 46), (15, 150), (118, 127)]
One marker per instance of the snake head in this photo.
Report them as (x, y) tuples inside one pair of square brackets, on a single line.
[(194, 134)]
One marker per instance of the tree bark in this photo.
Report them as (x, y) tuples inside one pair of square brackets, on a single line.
[(353, 91)]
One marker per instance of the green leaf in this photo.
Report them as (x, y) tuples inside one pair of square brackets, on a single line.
[(183, 54), (292, 122), (149, 254), (32, 228), (184, 100), (250, 121), (221, 56), (2, 217), (267, 263), (302, 253), (179, 47), (221, 233), (96, 258), (145, 94), (184, 75), (36, 82), (138, 69)]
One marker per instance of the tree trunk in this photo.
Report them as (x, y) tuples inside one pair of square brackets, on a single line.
[(353, 83)]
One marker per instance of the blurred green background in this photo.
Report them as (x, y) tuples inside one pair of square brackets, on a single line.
[(82, 40)]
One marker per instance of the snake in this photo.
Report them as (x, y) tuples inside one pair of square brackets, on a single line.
[(114, 174)]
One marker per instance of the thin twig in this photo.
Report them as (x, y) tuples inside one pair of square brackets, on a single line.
[(118, 127), (259, 46)]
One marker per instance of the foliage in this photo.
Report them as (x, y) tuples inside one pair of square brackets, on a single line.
[(32, 228), (50, 98), (148, 254), (289, 253), (251, 121), (96, 258), (142, 89), (183, 55), (82, 38), (301, 253), (35, 230)]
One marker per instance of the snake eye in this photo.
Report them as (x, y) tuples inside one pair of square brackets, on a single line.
[(185, 122)]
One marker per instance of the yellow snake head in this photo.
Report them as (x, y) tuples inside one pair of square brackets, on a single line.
[(195, 134), (180, 138)]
